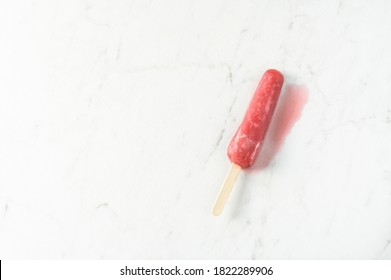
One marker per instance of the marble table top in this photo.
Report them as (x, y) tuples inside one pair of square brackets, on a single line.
[(115, 117)]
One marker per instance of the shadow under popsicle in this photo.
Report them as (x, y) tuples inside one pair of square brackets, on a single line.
[(288, 111)]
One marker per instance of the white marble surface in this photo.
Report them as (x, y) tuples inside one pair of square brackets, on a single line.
[(115, 117)]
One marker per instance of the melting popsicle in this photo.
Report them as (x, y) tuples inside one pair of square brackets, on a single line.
[(248, 139)]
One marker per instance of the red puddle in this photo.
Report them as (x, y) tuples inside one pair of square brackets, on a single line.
[(288, 111)]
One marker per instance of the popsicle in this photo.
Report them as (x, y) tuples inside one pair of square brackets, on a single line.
[(248, 139)]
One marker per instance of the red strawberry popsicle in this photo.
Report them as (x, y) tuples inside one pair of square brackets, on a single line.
[(248, 139)]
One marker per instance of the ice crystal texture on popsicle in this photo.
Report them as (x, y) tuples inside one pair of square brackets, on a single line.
[(248, 139)]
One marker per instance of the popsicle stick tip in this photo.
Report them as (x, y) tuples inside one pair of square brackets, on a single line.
[(216, 212)]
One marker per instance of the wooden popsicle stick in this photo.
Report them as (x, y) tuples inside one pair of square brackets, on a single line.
[(226, 189)]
